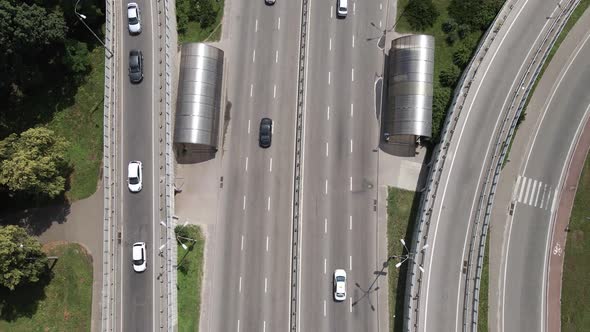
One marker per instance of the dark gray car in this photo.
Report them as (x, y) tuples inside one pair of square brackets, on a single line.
[(135, 66), (265, 136)]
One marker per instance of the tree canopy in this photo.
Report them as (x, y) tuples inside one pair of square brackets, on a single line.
[(21, 258), (475, 14), (421, 14), (34, 163)]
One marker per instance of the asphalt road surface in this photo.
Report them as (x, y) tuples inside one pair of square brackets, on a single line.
[(443, 285), (250, 283), (137, 128), (535, 191), (338, 227)]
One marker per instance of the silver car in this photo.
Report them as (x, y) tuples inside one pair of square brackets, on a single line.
[(133, 18)]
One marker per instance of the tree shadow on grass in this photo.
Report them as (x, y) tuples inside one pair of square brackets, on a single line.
[(23, 301), (398, 321)]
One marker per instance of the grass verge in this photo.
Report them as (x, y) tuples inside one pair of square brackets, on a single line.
[(575, 291), (482, 324), (190, 275), (81, 125), (60, 302), (401, 214), (195, 33)]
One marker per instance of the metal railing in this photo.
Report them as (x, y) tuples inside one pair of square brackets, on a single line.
[(297, 178), (110, 233)]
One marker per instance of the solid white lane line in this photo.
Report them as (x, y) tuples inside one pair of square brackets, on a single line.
[(279, 26), (277, 56), (274, 91), (267, 243), (268, 204), (326, 186), (350, 223), (352, 41), (326, 225), (240, 285), (244, 203), (242, 245), (325, 264), (351, 110), (351, 183), (350, 145), (251, 88), (329, 78), (265, 284), (270, 167), (352, 76), (326, 149), (554, 200), (328, 113), (350, 263), (246, 164), (248, 126), (254, 56), (330, 44), (324, 308), (256, 28)]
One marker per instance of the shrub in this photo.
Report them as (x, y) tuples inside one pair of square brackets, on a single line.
[(462, 56), (421, 14), (449, 76), (449, 26)]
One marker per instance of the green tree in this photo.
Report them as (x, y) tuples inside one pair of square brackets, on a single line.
[(476, 14), (448, 76), (34, 163), (21, 258), (205, 13), (76, 59), (421, 14)]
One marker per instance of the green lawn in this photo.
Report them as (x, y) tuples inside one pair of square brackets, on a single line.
[(575, 292), (190, 275), (81, 124), (194, 33), (401, 208), (482, 324), (61, 303)]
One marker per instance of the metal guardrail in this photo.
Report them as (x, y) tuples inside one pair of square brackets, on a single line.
[(413, 286), (110, 233), (297, 171), (500, 151)]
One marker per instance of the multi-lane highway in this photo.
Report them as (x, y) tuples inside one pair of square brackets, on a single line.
[(559, 110), (341, 135), (138, 123), (441, 302), (250, 278)]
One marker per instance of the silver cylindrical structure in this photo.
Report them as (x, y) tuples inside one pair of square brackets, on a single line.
[(199, 96), (410, 79)]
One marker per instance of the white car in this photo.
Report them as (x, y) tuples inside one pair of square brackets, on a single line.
[(342, 8), (134, 176), (339, 285), (133, 18), (139, 258)]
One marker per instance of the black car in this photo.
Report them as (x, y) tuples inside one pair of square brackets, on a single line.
[(135, 66), (265, 137)]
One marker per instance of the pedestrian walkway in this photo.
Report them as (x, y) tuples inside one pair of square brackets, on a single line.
[(534, 193)]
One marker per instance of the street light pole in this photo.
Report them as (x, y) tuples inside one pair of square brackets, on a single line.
[(409, 255), (82, 17)]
